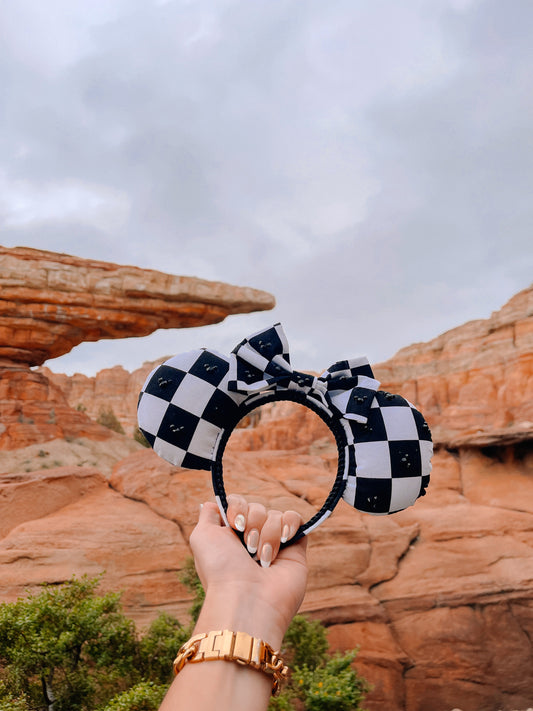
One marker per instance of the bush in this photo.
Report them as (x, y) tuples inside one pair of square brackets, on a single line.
[(9, 703), (140, 438), (159, 646), (334, 686), (189, 578), (108, 419), (317, 680), (145, 696), (66, 646), (305, 643)]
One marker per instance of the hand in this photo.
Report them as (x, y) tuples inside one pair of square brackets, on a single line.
[(240, 593)]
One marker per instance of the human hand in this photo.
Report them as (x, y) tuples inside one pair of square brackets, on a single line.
[(240, 593)]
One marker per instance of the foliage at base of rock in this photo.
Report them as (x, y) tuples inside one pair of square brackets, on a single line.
[(318, 681), (69, 649), (145, 696)]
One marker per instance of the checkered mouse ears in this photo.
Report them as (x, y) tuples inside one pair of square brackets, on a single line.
[(190, 404)]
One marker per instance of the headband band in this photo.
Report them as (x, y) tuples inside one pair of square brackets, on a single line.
[(190, 405)]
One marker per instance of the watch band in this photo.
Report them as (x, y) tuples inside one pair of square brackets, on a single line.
[(231, 646)]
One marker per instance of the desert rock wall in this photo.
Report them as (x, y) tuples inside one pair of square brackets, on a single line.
[(438, 598)]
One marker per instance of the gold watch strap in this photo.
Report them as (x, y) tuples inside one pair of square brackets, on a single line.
[(231, 646)]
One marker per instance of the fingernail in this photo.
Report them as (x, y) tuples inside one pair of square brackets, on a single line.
[(253, 540), (285, 534), (266, 555), (240, 522)]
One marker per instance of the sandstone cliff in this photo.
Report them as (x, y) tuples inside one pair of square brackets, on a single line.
[(439, 598), (51, 302)]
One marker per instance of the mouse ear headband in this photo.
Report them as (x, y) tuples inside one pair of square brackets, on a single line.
[(189, 406)]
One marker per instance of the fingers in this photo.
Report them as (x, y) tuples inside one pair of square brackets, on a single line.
[(263, 531), (291, 523)]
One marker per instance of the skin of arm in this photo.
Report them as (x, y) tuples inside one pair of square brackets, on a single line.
[(241, 595)]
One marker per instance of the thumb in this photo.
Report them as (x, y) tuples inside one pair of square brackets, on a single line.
[(209, 515)]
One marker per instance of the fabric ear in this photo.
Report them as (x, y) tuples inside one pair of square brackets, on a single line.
[(391, 457), (185, 404)]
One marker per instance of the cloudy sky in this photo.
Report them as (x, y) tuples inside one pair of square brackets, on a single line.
[(368, 163)]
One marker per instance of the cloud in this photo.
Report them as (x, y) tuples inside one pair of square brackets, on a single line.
[(368, 163)]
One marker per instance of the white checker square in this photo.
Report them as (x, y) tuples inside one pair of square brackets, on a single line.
[(205, 435), (399, 423), (184, 361), (372, 460), (405, 492), (151, 412), (426, 452), (170, 452), (349, 492), (193, 394)]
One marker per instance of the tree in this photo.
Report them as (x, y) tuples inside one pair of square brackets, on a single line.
[(65, 648)]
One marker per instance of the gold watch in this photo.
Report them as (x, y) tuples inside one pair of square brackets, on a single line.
[(237, 647)]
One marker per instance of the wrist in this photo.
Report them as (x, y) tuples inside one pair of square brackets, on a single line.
[(241, 611)]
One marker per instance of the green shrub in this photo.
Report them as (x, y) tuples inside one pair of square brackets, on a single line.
[(66, 646), (189, 578), (145, 696), (108, 419), (140, 438), (9, 703), (159, 646), (305, 643), (334, 686), (317, 680)]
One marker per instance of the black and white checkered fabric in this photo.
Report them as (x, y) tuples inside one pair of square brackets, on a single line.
[(191, 403)]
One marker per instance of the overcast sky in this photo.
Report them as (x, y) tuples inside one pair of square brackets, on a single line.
[(370, 163)]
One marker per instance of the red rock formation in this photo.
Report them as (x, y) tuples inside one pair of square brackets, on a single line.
[(439, 598), (51, 302), (474, 383)]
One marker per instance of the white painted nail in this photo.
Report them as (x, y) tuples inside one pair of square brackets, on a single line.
[(252, 541), (240, 522), (266, 555), (285, 534)]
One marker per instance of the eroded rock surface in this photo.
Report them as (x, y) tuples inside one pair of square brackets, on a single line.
[(51, 302), (438, 598), (474, 383)]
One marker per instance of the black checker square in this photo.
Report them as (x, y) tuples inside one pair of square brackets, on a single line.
[(210, 367), (373, 495), (221, 410), (268, 343), (178, 426), (193, 461), (350, 368), (385, 399), (405, 458), (374, 429), (247, 373), (421, 425), (164, 382)]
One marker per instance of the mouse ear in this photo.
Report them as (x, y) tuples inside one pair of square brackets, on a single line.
[(185, 404), (390, 458)]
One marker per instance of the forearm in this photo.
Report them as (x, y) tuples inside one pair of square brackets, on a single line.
[(227, 685)]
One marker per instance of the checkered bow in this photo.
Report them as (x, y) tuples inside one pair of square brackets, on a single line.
[(261, 362), (192, 402)]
